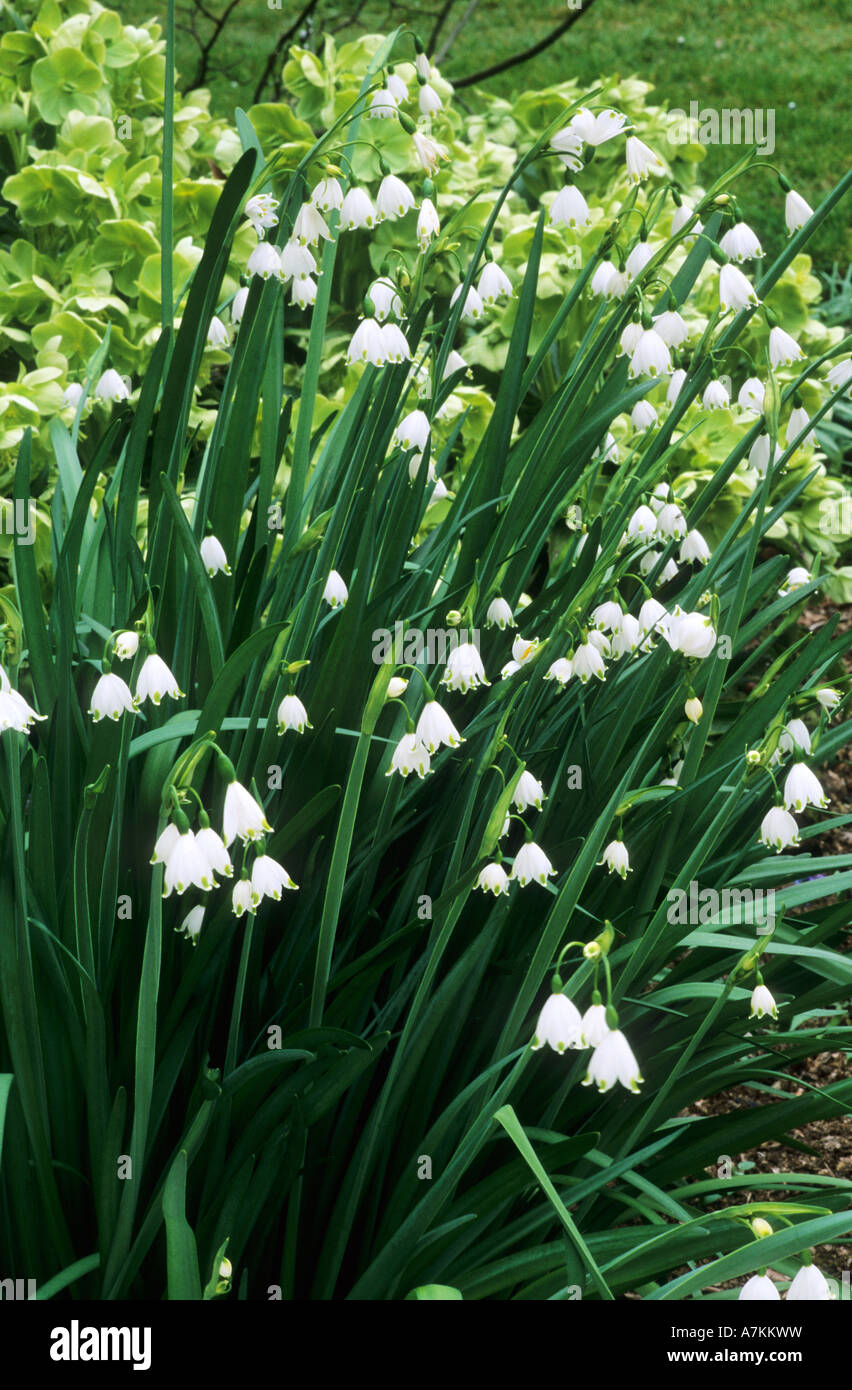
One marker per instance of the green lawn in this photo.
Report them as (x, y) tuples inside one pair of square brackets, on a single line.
[(773, 55)]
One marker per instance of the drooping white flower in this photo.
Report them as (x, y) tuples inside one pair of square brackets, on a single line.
[(412, 432), (642, 524), (297, 260), (675, 385), (242, 816), (600, 640), (650, 356), (15, 713), (636, 262), (395, 343), (602, 278), (783, 350), (268, 878), (454, 363), (694, 549), (797, 576), (741, 243), (758, 454), (795, 733), (187, 865), (499, 614), (242, 897), (397, 686), (110, 696), (72, 395), (212, 847), (292, 715), (262, 212), (327, 195), (335, 592), (840, 374), (680, 217), (560, 671), (569, 208), (616, 858), (671, 328), (428, 100), (809, 1283), (465, 670), (778, 829), (735, 290), (217, 333), (671, 522), (568, 145), (384, 296), (531, 864), (528, 792), (559, 1025), (643, 416), (493, 879), (611, 1061), (383, 106), (166, 841), (410, 755), (594, 1026), (156, 680), (607, 617), (641, 161), (428, 224), (759, 1288), (693, 709), (397, 87), (356, 211), (716, 396), (494, 284), (629, 338), (692, 634), (473, 309), (264, 261), (394, 199), (828, 698), (367, 344), (802, 788), (435, 727), (213, 556), (588, 662), (429, 151), (190, 927), (238, 305), (796, 213), (111, 387), (626, 639), (309, 226), (762, 1003), (126, 645), (652, 617), (751, 394), (799, 420)]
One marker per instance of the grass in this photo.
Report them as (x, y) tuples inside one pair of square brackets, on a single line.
[(727, 54)]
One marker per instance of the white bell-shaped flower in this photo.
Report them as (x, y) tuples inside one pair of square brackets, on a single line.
[(528, 792), (611, 1061), (493, 879), (356, 211), (802, 789), (531, 864), (735, 290), (335, 592), (616, 858), (428, 224), (465, 670), (110, 697), (156, 680), (187, 865), (778, 829), (394, 199), (740, 243), (212, 847), (292, 715), (759, 1288), (435, 728), (559, 1025), (213, 556), (410, 755), (268, 878), (242, 817)]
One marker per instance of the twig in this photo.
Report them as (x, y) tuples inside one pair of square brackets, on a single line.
[(439, 24), (282, 42), (463, 22), (528, 52)]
